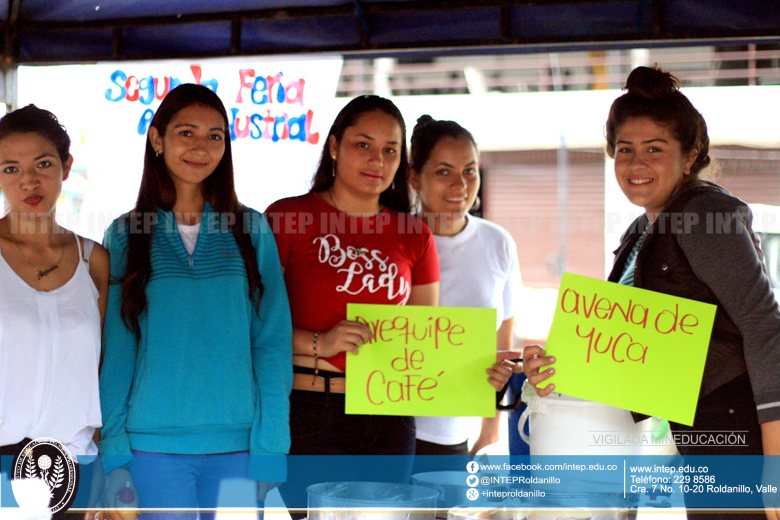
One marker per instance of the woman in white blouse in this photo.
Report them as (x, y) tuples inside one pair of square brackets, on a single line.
[(53, 287)]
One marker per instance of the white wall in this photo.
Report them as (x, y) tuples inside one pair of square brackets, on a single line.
[(530, 121)]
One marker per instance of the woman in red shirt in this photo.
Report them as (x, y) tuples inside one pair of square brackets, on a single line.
[(350, 239)]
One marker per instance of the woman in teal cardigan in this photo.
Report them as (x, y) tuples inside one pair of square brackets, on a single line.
[(197, 368)]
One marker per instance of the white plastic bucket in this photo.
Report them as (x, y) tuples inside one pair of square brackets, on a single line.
[(565, 425)]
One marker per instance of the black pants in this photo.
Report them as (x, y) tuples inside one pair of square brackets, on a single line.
[(729, 408), (319, 427), (430, 456)]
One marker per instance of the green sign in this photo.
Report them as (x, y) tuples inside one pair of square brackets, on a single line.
[(630, 348), (422, 361)]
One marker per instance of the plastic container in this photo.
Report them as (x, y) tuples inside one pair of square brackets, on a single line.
[(128, 502), (370, 501), (451, 486), (564, 425)]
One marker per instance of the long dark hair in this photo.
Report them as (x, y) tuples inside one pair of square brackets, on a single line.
[(396, 197), (655, 94), (158, 191)]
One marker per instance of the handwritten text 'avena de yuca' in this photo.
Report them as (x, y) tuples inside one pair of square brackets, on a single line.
[(621, 346)]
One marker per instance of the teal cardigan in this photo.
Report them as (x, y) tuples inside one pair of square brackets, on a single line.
[(209, 374)]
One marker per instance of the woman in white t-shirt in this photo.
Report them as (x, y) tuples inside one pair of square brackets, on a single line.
[(478, 259)]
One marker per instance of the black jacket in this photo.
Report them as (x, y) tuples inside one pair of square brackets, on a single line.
[(723, 266)]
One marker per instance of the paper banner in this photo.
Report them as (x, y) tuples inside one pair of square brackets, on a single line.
[(422, 361), (630, 348)]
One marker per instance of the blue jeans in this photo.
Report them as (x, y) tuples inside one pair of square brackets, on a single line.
[(193, 482)]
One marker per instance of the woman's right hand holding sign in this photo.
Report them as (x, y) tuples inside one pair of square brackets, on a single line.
[(534, 363)]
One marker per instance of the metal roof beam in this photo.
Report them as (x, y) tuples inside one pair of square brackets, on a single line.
[(655, 30), (362, 10)]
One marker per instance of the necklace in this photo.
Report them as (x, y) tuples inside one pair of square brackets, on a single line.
[(361, 249), (39, 272)]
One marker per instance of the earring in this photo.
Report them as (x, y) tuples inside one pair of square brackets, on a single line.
[(333, 170), (157, 154), (392, 186)]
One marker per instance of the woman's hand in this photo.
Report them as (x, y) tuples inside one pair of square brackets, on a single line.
[(503, 368), (346, 336), (534, 362), (263, 488), (117, 480), (770, 439), (103, 515), (96, 493)]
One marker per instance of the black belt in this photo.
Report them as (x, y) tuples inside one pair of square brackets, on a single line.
[(327, 375)]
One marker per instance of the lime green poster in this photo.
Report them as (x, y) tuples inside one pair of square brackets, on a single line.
[(422, 361), (630, 348)]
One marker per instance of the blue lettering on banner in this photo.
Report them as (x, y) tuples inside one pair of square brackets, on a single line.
[(118, 78), (269, 91)]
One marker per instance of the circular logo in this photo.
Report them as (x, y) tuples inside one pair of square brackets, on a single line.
[(472, 480), (50, 462), (472, 494), (472, 467)]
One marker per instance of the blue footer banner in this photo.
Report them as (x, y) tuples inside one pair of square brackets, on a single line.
[(422, 483)]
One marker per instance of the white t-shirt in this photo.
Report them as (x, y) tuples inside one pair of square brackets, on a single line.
[(189, 235), (478, 268)]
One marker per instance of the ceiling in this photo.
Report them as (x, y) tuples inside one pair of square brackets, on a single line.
[(67, 31)]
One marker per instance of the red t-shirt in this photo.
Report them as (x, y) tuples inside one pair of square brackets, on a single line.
[(331, 259)]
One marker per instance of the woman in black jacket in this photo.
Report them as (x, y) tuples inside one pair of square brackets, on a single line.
[(694, 241)]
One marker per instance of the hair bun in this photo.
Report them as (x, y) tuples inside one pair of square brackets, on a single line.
[(651, 83), (423, 120)]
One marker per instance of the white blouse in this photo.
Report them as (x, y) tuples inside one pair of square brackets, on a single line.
[(49, 356)]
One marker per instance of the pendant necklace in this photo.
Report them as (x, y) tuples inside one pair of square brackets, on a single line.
[(39, 272), (360, 250)]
